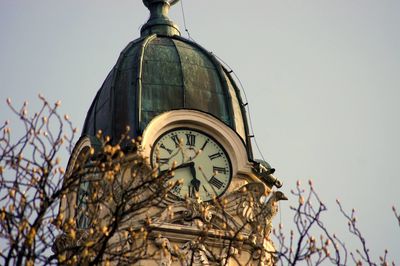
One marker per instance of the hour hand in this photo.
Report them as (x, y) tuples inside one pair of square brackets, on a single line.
[(183, 165), (195, 182)]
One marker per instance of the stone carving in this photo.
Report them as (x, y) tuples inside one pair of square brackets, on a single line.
[(249, 207), (191, 253), (194, 253), (271, 208), (197, 209), (248, 211), (241, 217), (252, 205), (165, 251), (188, 210)]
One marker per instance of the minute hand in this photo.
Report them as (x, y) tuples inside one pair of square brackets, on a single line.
[(208, 181)]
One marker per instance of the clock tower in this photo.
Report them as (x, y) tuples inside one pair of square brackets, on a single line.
[(186, 110)]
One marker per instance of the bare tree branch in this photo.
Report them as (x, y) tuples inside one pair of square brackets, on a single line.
[(396, 214), (107, 207)]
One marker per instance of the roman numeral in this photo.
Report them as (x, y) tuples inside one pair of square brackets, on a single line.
[(216, 182), (175, 138), (219, 170), (162, 146), (205, 144), (214, 156), (190, 140)]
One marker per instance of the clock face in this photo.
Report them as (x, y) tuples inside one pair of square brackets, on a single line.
[(199, 162)]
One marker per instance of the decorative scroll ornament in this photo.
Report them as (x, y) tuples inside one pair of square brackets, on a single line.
[(188, 210)]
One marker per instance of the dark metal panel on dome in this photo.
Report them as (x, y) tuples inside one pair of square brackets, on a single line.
[(236, 108), (124, 91), (104, 106), (114, 105), (164, 99), (236, 96), (203, 90), (98, 116), (161, 66), (191, 55), (161, 79)]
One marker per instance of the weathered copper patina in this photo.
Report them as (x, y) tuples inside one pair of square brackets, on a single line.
[(159, 72)]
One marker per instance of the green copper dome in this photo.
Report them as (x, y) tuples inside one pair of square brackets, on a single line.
[(159, 72)]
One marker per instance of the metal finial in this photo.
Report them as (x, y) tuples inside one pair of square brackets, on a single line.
[(159, 22), (147, 3)]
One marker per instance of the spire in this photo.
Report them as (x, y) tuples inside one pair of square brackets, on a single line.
[(159, 22)]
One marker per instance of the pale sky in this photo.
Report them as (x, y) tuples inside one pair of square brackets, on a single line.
[(322, 79)]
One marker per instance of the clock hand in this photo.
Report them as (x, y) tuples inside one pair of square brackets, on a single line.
[(195, 182), (202, 172), (163, 172), (208, 193), (207, 179), (190, 164)]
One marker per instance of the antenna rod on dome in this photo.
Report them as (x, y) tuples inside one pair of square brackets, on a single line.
[(159, 22)]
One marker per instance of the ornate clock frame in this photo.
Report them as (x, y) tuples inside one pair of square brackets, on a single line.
[(229, 139)]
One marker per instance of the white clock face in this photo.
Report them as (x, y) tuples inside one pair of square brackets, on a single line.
[(200, 163)]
